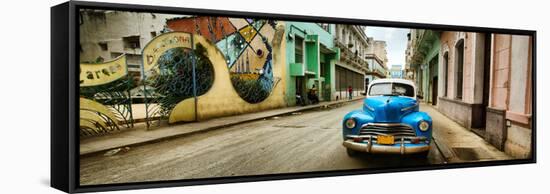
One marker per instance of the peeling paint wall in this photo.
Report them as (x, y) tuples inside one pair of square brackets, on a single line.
[(511, 93)]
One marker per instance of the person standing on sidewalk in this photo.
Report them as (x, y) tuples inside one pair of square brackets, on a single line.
[(350, 92)]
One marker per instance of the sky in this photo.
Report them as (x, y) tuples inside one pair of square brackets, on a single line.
[(396, 42)]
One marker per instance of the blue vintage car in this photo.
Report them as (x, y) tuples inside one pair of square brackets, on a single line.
[(389, 121)]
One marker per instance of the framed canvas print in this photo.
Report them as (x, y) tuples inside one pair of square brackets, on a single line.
[(149, 96)]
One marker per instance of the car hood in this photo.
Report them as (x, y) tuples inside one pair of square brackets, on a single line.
[(389, 109)]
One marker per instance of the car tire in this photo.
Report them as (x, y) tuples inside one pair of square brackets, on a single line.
[(351, 153)]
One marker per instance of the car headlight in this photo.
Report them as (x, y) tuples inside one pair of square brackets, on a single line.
[(350, 123), (423, 125)]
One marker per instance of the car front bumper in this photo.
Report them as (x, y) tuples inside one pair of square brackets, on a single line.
[(400, 148)]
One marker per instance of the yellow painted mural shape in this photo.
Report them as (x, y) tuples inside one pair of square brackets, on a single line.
[(90, 118), (154, 49), (222, 99), (102, 73), (93, 106), (248, 33)]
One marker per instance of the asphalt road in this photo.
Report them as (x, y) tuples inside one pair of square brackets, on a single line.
[(310, 141)]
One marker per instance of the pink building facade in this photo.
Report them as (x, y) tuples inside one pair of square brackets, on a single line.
[(463, 77), (509, 126), (485, 85)]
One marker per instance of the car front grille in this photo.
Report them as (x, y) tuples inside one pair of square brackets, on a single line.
[(394, 129)]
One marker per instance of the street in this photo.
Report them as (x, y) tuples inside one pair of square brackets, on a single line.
[(300, 142)]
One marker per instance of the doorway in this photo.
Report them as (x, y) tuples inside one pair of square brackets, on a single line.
[(367, 81), (479, 121), (434, 91), (433, 74), (300, 91), (486, 77), (324, 88), (459, 61)]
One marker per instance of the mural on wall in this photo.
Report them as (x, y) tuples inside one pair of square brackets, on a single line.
[(194, 67), (175, 69), (175, 83), (246, 46), (96, 118), (105, 101)]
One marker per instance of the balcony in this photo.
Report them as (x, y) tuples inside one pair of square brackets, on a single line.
[(378, 69), (353, 58), (421, 45), (297, 69)]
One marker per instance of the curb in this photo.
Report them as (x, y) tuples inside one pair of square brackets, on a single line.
[(207, 129), (445, 151)]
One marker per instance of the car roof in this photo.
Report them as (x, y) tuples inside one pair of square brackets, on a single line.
[(393, 80)]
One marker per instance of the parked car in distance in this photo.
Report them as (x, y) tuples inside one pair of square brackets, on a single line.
[(389, 122)]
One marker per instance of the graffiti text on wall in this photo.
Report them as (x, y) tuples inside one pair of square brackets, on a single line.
[(159, 45), (102, 73)]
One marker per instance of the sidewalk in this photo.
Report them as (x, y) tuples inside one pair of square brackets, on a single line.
[(458, 144), (139, 135)]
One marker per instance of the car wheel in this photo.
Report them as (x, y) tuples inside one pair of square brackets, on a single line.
[(351, 153)]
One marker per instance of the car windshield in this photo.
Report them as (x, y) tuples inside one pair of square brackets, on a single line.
[(391, 89)]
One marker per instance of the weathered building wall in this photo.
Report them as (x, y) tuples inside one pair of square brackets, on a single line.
[(501, 71), (496, 130), (430, 70), (472, 74), (352, 65), (104, 35), (422, 59), (379, 49), (507, 124), (457, 110), (468, 68), (377, 59), (511, 95)]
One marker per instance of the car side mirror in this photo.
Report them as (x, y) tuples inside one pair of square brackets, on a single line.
[(419, 97), (363, 93)]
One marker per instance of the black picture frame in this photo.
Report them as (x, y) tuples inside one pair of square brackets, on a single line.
[(64, 94)]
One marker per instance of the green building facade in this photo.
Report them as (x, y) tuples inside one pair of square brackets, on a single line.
[(311, 58), (425, 63)]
